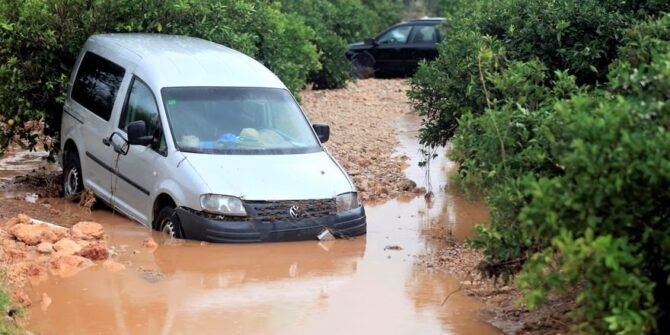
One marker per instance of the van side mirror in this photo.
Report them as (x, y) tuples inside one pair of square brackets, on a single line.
[(136, 134), (322, 131), (370, 41)]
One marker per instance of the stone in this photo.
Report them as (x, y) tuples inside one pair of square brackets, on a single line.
[(25, 219), (68, 265), (66, 246), (45, 302), (12, 222), (149, 243), (35, 234), (113, 266), (45, 247), (94, 251), (88, 230)]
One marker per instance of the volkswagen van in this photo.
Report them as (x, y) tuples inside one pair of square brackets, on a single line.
[(200, 141)]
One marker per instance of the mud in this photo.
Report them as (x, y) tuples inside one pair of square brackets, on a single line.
[(358, 286), (361, 119), (31, 249)]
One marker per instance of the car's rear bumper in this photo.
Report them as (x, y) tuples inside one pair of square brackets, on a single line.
[(198, 226)]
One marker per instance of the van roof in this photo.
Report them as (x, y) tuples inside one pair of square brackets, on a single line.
[(182, 61)]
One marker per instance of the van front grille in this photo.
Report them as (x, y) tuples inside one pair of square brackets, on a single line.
[(281, 210)]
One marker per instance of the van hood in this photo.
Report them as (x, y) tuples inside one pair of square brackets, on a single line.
[(272, 177)]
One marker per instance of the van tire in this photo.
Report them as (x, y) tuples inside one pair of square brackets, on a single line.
[(73, 182), (168, 222)]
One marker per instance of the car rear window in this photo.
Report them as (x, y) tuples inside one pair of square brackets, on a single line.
[(96, 84)]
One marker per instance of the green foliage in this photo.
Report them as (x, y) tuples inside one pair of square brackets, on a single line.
[(559, 111), (578, 37), (7, 325), (616, 298), (337, 23), (300, 41)]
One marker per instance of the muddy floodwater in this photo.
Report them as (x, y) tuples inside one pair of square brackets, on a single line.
[(367, 285)]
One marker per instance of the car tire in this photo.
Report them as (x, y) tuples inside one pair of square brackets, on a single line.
[(363, 66), (168, 223), (73, 182)]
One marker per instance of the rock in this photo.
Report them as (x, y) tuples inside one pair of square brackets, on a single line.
[(419, 190), (88, 230), (25, 219), (66, 246), (12, 222), (94, 251), (407, 185), (37, 274), (35, 234), (68, 265), (45, 247), (113, 266), (21, 298), (149, 243), (83, 243), (45, 302)]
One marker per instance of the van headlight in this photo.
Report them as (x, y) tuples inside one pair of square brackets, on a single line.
[(346, 201), (222, 204)]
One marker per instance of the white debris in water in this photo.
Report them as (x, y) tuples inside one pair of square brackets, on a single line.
[(326, 235), (31, 198)]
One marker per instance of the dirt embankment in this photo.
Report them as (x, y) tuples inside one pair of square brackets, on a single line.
[(503, 305), (363, 134)]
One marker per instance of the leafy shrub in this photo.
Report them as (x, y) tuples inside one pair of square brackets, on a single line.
[(579, 37), (562, 118), (40, 39), (337, 23)]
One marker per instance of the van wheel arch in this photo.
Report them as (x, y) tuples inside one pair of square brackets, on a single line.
[(69, 147), (163, 200)]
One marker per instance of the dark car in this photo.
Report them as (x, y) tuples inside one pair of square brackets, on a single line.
[(397, 50)]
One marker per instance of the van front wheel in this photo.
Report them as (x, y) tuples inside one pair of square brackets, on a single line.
[(168, 222), (73, 182)]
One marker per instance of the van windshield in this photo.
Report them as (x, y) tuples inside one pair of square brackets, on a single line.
[(237, 120)]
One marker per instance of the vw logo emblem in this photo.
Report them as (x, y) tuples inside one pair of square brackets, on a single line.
[(295, 211)]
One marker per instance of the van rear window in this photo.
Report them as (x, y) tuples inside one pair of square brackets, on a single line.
[(96, 84)]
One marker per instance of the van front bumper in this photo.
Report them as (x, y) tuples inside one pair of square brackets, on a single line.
[(200, 226)]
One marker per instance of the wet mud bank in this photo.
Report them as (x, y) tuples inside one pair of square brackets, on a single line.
[(370, 284)]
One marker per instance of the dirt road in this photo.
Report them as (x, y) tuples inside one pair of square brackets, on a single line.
[(362, 118)]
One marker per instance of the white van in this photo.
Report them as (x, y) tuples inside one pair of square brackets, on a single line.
[(201, 142)]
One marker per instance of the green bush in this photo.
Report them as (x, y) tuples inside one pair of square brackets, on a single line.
[(604, 220), (562, 118), (579, 37), (337, 23), (40, 39)]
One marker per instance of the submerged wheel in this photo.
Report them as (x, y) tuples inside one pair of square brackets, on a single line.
[(73, 184), (169, 224)]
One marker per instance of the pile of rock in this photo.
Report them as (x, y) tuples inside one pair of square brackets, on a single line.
[(31, 250), (362, 118)]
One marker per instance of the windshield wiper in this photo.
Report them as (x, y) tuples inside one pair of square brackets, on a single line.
[(193, 150)]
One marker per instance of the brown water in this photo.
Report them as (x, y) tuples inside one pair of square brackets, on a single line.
[(15, 163), (337, 287)]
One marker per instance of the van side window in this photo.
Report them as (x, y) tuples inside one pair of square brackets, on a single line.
[(96, 84), (141, 106)]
